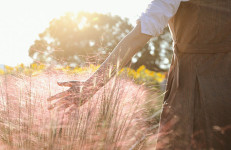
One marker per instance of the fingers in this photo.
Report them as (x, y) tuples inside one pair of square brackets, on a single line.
[(59, 95), (69, 83), (59, 105), (66, 100), (67, 107), (63, 107), (70, 109)]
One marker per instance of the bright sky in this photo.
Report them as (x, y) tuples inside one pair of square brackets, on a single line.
[(22, 20)]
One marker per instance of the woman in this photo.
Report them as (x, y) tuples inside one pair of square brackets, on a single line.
[(197, 105)]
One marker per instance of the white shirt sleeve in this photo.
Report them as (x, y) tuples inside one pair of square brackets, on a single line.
[(156, 16)]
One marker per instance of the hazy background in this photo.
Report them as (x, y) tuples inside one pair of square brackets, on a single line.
[(22, 21)]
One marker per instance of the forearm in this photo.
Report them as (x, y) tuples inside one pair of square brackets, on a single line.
[(120, 56)]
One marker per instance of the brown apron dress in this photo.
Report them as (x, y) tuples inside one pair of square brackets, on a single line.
[(197, 105)]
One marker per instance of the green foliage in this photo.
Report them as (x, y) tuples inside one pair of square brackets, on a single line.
[(156, 55), (90, 37), (76, 39)]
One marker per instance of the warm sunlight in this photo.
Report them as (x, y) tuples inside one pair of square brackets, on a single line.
[(22, 21), (115, 74)]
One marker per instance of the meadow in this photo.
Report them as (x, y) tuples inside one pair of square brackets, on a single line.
[(122, 115)]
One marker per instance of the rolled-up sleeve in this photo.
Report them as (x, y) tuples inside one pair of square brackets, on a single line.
[(155, 18)]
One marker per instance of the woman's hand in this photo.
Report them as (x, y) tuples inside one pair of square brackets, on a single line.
[(70, 99), (80, 91)]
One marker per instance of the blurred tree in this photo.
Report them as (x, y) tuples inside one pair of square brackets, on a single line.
[(90, 37), (76, 39)]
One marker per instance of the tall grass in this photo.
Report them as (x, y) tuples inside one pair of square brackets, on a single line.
[(117, 117)]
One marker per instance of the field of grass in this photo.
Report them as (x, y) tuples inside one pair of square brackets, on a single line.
[(122, 115)]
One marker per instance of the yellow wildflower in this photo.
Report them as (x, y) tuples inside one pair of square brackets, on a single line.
[(1, 72), (9, 69), (141, 68)]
